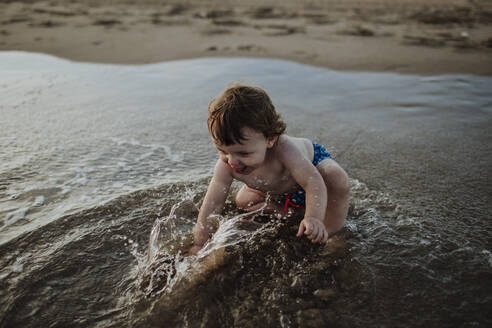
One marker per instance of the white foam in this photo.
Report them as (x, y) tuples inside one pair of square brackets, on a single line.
[(425, 242), (154, 149), (18, 266), (66, 190), (38, 201), (80, 178), (488, 256), (15, 216)]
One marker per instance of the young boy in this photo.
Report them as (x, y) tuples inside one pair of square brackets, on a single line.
[(295, 172)]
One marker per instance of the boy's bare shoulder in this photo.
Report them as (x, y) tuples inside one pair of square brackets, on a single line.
[(288, 145)]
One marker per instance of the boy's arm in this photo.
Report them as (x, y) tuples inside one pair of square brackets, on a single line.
[(213, 203), (308, 177)]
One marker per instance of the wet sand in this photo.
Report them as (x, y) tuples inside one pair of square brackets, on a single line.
[(423, 37)]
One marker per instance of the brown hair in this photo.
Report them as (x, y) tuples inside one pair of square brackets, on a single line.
[(242, 106)]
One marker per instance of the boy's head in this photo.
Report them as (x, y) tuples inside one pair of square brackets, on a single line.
[(241, 106)]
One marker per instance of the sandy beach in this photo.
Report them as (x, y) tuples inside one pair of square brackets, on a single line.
[(422, 37)]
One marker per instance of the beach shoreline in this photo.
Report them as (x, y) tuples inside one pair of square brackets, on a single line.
[(410, 37), (417, 149)]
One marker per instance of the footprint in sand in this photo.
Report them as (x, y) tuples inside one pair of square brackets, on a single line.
[(47, 24), (250, 47), (107, 22), (173, 10), (357, 30), (228, 22), (214, 13), (280, 29)]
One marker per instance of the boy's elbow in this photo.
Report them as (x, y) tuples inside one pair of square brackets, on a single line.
[(342, 183), (337, 181)]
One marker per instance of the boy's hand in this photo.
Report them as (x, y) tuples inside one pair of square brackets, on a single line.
[(314, 229)]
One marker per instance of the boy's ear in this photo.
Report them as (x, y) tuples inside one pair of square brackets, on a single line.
[(271, 141)]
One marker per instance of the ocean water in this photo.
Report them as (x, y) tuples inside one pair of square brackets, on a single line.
[(103, 168)]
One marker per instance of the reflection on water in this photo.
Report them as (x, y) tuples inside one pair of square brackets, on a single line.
[(104, 167)]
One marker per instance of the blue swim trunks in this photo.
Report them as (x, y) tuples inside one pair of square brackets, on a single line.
[(298, 198)]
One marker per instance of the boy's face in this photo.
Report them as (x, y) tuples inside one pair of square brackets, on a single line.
[(246, 157)]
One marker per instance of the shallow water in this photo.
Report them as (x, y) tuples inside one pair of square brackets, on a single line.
[(104, 167)]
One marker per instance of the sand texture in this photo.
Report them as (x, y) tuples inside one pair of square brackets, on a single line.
[(423, 37)]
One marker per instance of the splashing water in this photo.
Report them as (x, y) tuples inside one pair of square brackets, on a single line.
[(170, 240)]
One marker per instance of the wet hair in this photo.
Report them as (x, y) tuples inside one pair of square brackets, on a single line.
[(241, 106)]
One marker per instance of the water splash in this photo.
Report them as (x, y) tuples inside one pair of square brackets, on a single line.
[(167, 262)]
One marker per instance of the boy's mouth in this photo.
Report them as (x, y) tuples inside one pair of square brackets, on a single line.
[(240, 170)]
